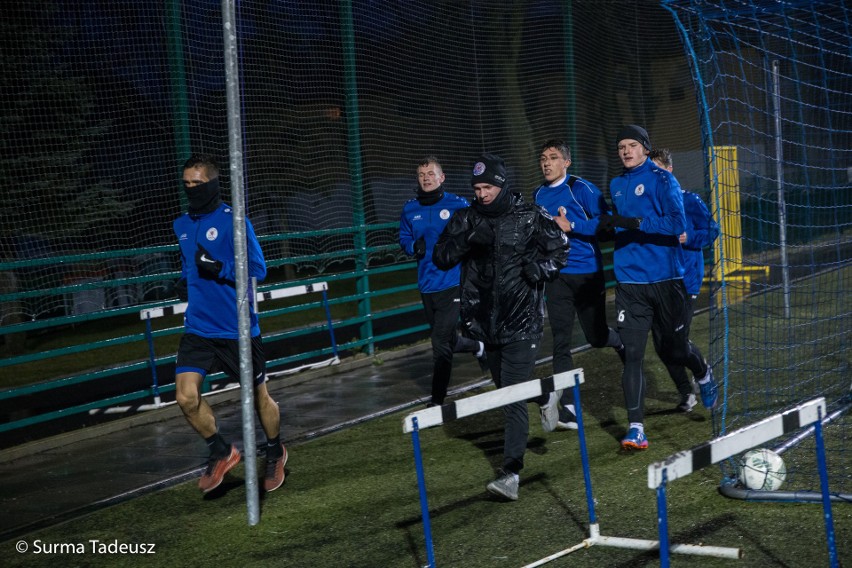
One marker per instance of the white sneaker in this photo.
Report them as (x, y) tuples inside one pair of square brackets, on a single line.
[(482, 357), (687, 402), (550, 412), (570, 423), (506, 486)]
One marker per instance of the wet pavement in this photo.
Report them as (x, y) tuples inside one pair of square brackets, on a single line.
[(53, 480)]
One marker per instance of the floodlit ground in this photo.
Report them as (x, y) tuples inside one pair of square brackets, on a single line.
[(351, 500)]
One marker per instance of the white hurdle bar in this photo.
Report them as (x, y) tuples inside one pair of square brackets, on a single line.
[(437, 415), (684, 463), (148, 314)]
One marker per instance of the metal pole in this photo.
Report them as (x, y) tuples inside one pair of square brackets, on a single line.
[(424, 501), (834, 562), (584, 454), (354, 136), (663, 522), (570, 80), (152, 358), (779, 175), (177, 75), (232, 80)]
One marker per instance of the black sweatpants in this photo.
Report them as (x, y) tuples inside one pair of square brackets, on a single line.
[(582, 296), (659, 307), (510, 364), (442, 314)]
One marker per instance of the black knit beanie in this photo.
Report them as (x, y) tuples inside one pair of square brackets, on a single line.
[(634, 132), (489, 168)]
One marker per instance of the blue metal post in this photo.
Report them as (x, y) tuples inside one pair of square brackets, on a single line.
[(584, 454), (826, 498), (421, 485), (330, 326), (152, 357), (663, 521)]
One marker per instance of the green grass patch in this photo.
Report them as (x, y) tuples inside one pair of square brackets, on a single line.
[(351, 500)]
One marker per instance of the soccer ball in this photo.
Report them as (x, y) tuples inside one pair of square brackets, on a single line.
[(762, 470)]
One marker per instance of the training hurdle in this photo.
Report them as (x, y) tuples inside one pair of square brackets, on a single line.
[(149, 314), (684, 463), (436, 416), (470, 406)]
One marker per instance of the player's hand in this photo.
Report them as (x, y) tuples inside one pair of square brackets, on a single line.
[(682, 238), (532, 272), (606, 222), (626, 222), (480, 234), (208, 267), (563, 221), (420, 247), (181, 290)]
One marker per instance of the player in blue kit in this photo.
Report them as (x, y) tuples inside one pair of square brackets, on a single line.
[(211, 339), (649, 268), (580, 289), (701, 231), (420, 224)]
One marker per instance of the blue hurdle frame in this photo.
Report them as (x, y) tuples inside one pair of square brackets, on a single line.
[(437, 417), (684, 463)]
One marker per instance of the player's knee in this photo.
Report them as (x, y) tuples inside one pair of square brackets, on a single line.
[(188, 400), (675, 354), (633, 352)]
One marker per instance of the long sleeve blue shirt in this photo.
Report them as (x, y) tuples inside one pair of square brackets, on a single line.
[(583, 203), (428, 221), (701, 231), (212, 310), (652, 253)]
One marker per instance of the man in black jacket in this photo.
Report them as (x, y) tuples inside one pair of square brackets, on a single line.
[(508, 249)]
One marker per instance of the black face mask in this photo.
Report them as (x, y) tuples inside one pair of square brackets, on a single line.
[(498, 207), (430, 197), (203, 198)]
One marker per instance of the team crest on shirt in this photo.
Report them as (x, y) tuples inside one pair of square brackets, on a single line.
[(444, 214), (640, 189), (212, 233)]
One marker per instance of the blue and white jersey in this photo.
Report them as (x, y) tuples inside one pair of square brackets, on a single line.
[(701, 231), (652, 253), (212, 310), (428, 221), (583, 203)]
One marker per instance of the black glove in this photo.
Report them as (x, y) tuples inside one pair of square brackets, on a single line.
[(605, 235), (480, 234), (180, 290), (532, 272), (609, 221), (208, 267), (420, 247)]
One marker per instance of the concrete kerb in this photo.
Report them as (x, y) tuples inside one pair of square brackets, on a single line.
[(172, 411)]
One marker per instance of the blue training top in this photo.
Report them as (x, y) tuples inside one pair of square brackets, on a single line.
[(583, 203), (428, 221), (701, 231), (212, 310), (652, 253)]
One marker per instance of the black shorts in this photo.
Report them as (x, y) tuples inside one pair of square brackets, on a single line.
[(204, 355), (661, 305)]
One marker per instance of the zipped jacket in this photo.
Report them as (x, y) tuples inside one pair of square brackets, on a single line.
[(499, 304)]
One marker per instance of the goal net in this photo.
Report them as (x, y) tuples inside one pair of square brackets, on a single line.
[(774, 83)]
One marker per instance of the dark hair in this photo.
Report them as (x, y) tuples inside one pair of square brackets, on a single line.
[(662, 155), (430, 159), (560, 146), (203, 161)]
